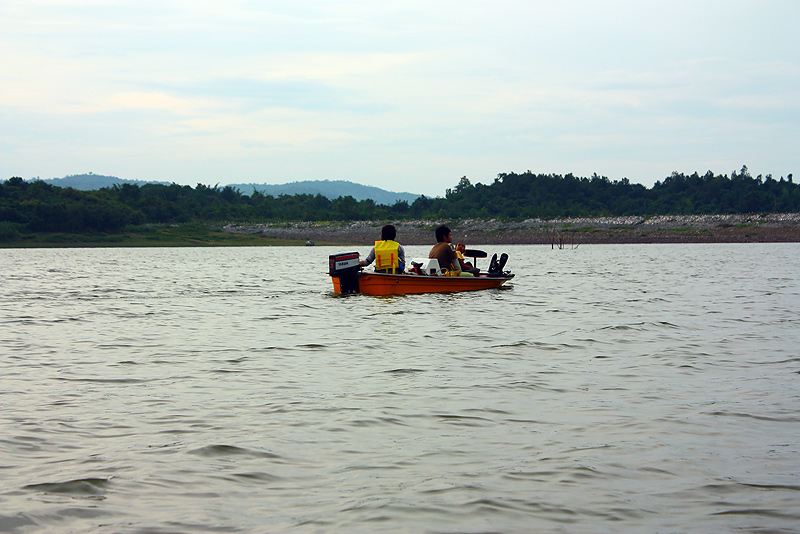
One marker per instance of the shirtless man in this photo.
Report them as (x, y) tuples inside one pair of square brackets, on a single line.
[(444, 253)]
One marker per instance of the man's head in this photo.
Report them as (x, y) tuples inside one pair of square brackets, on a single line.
[(443, 234), (388, 233)]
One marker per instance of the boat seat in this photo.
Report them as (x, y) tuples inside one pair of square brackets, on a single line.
[(496, 265)]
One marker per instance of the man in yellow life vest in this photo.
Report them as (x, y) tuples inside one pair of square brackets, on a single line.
[(388, 254)]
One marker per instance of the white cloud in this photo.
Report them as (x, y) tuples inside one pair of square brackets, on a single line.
[(139, 100), (394, 92)]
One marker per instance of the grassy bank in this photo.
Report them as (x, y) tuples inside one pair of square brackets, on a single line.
[(189, 235)]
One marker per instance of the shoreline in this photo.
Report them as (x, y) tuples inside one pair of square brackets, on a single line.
[(740, 228), (768, 228)]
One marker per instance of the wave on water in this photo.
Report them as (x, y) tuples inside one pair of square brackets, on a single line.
[(217, 451), (84, 486)]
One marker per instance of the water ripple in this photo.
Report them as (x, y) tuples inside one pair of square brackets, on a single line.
[(214, 451), (85, 486)]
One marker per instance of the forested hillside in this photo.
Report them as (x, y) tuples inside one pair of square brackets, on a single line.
[(90, 181), (27, 207), (328, 188), (537, 195)]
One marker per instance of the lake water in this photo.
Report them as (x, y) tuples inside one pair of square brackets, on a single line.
[(630, 388)]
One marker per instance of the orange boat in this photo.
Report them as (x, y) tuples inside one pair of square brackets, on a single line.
[(347, 276)]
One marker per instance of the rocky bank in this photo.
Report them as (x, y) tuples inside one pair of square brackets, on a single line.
[(745, 228)]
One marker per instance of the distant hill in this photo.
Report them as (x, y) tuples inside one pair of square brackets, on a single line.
[(89, 182), (330, 189), (327, 188)]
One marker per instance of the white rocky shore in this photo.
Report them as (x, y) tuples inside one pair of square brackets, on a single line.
[(668, 228)]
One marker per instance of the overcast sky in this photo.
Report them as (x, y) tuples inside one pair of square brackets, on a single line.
[(403, 95)]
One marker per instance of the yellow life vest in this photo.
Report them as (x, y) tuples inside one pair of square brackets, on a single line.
[(387, 255)]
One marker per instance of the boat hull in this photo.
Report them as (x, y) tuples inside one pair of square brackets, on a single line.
[(402, 284)]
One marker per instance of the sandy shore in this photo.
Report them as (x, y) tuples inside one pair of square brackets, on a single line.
[(778, 227)]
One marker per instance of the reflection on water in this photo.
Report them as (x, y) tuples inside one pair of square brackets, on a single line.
[(607, 388)]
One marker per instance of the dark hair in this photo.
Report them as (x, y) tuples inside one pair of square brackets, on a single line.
[(388, 233), (441, 232)]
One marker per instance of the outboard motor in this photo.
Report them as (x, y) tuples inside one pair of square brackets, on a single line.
[(345, 267)]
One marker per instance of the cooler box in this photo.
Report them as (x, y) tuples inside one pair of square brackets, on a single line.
[(429, 266)]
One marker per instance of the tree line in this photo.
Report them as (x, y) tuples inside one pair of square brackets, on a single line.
[(29, 207)]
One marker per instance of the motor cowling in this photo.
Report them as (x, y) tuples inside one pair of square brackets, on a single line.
[(345, 266)]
